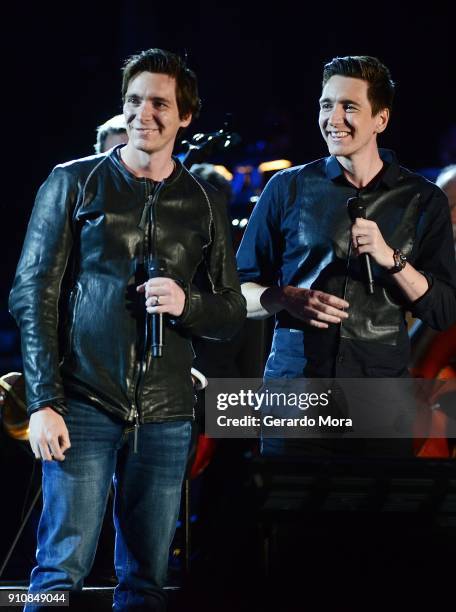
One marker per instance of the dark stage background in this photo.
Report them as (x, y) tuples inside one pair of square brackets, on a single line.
[(261, 62)]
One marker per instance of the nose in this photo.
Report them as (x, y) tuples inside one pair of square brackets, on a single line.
[(336, 116), (145, 111)]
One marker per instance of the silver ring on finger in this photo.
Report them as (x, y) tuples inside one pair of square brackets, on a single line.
[(157, 300)]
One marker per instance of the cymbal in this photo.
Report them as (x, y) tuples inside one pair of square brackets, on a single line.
[(14, 409)]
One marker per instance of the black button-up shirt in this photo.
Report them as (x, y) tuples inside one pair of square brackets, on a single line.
[(299, 234)]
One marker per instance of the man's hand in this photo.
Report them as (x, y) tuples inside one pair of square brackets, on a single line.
[(316, 308), (367, 238), (163, 295), (49, 437)]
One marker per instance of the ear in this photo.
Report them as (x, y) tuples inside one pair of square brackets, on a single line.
[(185, 122), (382, 119)]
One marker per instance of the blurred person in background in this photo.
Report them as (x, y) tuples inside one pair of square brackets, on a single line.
[(110, 133), (446, 180)]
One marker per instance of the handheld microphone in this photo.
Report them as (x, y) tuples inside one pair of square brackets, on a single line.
[(156, 268), (357, 210)]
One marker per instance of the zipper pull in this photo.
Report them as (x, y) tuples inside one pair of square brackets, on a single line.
[(135, 435), (147, 205)]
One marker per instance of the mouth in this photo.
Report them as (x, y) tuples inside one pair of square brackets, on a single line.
[(146, 131), (338, 136)]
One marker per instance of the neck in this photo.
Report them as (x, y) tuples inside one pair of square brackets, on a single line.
[(360, 171), (156, 166)]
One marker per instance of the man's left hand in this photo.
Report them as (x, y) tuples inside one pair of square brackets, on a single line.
[(163, 295), (367, 238)]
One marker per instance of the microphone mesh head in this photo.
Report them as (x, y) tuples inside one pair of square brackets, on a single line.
[(356, 208)]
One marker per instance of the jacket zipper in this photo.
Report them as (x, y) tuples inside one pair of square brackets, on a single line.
[(75, 298), (150, 233), (349, 250), (344, 293), (134, 416)]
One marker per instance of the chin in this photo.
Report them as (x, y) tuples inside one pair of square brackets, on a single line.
[(334, 150), (340, 150), (143, 146)]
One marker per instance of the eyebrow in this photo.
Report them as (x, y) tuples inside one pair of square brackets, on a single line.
[(153, 98), (347, 101)]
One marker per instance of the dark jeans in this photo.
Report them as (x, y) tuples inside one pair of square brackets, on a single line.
[(147, 496)]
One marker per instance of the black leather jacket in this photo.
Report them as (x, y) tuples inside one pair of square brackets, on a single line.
[(83, 325)]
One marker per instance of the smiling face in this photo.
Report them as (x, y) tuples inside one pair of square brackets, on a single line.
[(151, 113), (346, 120)]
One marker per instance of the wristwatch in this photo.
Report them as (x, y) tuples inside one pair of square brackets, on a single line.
[(399, 261)]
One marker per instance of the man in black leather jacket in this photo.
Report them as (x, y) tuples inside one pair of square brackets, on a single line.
[(100, 403), (302, 255)]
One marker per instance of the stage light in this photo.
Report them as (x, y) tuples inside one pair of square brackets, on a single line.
[(224, 172), (274, 165)]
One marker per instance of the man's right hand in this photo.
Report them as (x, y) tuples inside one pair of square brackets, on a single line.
[(49, 436), (316, 308)]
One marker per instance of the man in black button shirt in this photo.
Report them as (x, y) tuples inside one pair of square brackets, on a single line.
[(302, 257)]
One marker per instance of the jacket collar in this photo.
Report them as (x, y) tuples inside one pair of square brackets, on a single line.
[(114, 156), (388, 177)]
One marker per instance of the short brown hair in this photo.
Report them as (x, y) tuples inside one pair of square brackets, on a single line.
[(380, 90), (165, 62)]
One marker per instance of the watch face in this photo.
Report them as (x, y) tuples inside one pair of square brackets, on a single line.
[(399, 261)]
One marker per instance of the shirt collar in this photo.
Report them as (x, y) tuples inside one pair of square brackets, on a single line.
[(388, 177)]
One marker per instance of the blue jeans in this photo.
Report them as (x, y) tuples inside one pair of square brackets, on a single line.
[(147, 496)]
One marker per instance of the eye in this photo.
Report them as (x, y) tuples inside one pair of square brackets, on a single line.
[(325, 106), (350, 107), (132, 100)]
